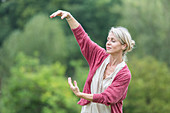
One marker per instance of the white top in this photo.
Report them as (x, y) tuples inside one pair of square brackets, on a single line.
[(98, 85)]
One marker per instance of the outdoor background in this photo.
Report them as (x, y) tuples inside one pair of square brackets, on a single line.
[(38, 53)]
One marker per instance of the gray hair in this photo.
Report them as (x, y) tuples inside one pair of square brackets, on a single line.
[(123, 35)]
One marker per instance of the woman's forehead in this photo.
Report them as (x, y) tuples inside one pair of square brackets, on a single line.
[(111, 35)]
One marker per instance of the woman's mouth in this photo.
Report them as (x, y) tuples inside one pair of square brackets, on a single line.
[(108, 48)]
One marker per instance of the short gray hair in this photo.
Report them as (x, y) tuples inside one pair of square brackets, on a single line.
[(123, 35)]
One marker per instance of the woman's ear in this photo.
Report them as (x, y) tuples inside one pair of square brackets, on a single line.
[(124, 46)]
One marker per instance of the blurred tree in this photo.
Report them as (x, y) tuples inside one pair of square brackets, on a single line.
[(148, 21), (36, 88), (149, 90), (80, 73), (96, 16), (40, 36), (16, 13)]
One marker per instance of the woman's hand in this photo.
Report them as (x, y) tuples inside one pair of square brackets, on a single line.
[(73, 23), (62, 14), (75, 88), (77, 92)]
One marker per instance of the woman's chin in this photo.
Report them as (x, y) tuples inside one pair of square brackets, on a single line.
[(107, 51)]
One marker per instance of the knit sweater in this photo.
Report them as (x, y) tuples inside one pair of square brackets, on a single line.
[(95, 55)]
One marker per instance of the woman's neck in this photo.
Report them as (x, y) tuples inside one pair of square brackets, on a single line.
[(115, 60)]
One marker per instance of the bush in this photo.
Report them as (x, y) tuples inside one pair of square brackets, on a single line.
[(149, 88), (35, 88)]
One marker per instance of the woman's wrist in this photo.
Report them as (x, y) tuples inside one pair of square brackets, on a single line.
[(85, 96), (69, 17), (80, 94)]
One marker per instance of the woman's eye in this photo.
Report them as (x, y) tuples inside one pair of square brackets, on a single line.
[(113, 41)]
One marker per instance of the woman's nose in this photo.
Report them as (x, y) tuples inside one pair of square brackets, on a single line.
[(108, 43)]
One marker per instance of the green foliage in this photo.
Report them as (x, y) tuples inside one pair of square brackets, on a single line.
[(149, 88), (16, 13), (36, 84), (148, 22), (35, 88), (96, 19), (81, 72), (40, 36)]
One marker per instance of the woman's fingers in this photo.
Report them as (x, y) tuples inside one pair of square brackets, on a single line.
[(52, 15), (70, 82), (75, 83), (63, 14), (76, 86), (71, 85), (57, 13)]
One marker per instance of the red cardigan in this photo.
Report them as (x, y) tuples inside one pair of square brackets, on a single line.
[(95, 55)]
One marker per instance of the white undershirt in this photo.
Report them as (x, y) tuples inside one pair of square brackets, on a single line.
[(98, 85)]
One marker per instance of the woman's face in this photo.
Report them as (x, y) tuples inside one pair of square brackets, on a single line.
[(113, 45)]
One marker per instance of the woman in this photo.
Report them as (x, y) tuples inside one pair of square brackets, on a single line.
[(108, 79)]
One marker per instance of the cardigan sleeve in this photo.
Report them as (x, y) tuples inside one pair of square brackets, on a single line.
[(90, 50), (115, 92)]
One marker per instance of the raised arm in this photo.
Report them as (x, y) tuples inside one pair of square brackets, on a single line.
[(90, 50), (73, 23)]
